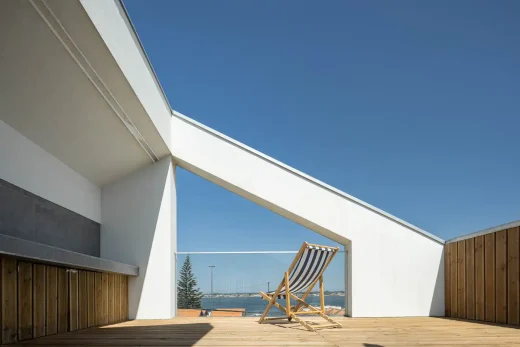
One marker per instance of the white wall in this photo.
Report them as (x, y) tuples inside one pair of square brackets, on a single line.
[(112, 24), (28, 166), (395, 268), (139, 228)]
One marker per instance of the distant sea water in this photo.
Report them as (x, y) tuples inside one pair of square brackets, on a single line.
[(255, 305)]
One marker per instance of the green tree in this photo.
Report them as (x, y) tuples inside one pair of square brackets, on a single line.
[(188, 294)]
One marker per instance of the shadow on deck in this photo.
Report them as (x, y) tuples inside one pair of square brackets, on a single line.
[(219, 331)]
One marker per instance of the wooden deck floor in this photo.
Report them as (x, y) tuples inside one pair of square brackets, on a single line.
[(215, 331)]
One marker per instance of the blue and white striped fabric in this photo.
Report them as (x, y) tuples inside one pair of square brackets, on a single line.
[(309, 267)]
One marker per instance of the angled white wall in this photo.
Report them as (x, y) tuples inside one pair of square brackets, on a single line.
[(26, 165), (111, 21), (395, 269), (139, 227)]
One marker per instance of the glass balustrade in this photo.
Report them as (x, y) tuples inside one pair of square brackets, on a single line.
[(228, 283)]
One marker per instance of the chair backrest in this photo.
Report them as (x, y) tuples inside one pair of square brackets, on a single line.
[(309, 264)]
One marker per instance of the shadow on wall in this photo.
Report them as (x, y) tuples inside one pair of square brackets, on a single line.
[(136, 230), (372, 345), (437, 304), (146, 333)]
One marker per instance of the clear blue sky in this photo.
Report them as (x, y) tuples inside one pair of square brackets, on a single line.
[(411, 106)]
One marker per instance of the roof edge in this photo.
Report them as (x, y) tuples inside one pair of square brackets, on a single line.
[(145, 55), (305, 176), (485, 231)]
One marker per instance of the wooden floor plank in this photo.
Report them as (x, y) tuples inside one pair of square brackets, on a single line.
[(363, 332)]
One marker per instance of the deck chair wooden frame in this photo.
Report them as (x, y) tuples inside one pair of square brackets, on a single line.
[(284, 289)]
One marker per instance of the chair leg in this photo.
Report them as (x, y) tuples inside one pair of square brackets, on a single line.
[(272, 301), (321, 312), (275, 304)]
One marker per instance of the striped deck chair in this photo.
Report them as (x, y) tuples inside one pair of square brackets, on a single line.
[(305, 271)]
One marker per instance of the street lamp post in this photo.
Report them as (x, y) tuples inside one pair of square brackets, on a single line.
[(211, 267)]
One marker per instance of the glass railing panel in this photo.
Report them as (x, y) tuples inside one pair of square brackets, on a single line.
[(230, 283)]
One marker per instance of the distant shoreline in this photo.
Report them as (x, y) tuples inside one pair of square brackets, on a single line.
[(252, 295)]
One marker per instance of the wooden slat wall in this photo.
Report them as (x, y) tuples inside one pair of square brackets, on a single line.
[(501, 277), (447, 281), (37, 300), (63, 300), (83, 300), (25, 301), (513, 276), (111, 278), (479, 279), (117, 297), (98, 299), (51, 324), (453, 279), (482, 276), (104, 298), (470, 278), (91, 299), (9, 298), (461, 279), (73, 301), (489, 277)]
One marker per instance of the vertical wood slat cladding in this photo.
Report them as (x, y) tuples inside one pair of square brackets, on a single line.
[(489, 276), (479, 279), (38, 300), (73, 301), (39, 297), (461, 278), (83, 300), (99, 299), (470, 279), (63, 300), (482, 277), (25, 301), (501, 277), (111, 301), (9, 300), (447, 281), (453, 279), (51, 306), (91, 299), (104, 298), (513, 276)]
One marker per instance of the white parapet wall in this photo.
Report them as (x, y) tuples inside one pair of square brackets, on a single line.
[(394, 269), (139, 228)]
